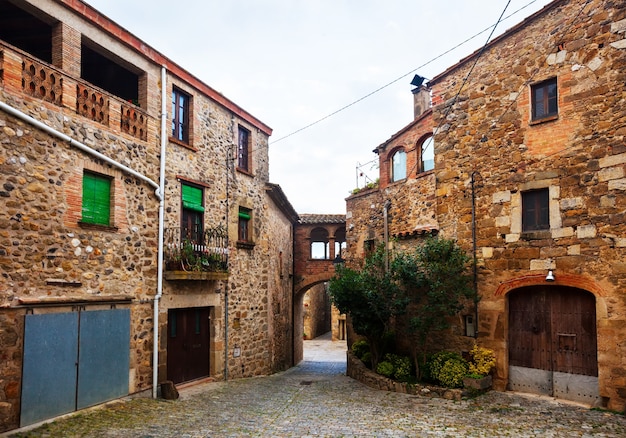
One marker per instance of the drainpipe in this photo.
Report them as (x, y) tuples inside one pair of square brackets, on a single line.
[(159, 293), (475, 272), (226, 282), (83, 147), (386, 232)]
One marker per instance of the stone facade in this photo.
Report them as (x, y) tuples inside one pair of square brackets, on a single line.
[(490, 151), (316, 312), (52, 261)]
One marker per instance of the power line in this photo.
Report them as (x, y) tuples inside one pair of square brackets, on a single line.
[(493, 27)]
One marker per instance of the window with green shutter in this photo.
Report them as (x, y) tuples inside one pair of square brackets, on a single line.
[(96, 207), (192, 198)]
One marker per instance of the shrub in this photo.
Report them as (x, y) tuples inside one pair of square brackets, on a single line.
[(385, 368), (367, 359), (482, 361), (447, 369), (452, 373), (359, 348), (401, 366)]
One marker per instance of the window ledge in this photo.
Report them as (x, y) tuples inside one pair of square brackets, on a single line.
[(543, 120), (245, 245), (245, 172), (536, 235), (90, 226), (183, 144)]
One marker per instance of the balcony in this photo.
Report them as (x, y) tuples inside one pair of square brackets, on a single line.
[(35, 78), (196, 255)]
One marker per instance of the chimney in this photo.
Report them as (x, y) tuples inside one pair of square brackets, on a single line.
[(421, 100), (421, 96)]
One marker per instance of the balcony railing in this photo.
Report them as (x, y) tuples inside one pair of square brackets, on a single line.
[(196, 251), (40, 80)]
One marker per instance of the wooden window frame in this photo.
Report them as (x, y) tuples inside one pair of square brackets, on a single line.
[(535, 210), (192, 213), (394, 154), (421, 151), (244, 220), (243, 149), (544, 96), (181, 129)]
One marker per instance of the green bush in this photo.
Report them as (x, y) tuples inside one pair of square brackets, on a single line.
[(385, 368), (359, 348), (367, 359), (447, 369), (402, 366), (452, 373)]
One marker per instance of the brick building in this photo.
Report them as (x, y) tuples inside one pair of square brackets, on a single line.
[(529, 176), (89, 169)]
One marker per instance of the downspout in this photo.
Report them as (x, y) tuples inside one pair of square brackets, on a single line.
[(226, 285), (475, 261), (386, 232), (159, 292), (83, 147)]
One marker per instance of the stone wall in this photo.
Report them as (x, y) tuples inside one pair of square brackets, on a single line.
[(579, 156), (316, 312)]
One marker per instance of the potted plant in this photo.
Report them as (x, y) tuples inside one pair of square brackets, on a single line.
[(482, 361)]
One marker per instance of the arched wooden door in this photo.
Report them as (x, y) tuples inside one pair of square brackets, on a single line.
[(553, 342)]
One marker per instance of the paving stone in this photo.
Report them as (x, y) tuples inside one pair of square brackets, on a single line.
[(316, 399)]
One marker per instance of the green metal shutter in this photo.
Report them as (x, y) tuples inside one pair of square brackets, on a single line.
[(96, 199), (192, 198)]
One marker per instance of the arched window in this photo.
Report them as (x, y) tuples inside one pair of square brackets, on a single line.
[(319, 244), (340, 244), (398, 165), (427, 154)]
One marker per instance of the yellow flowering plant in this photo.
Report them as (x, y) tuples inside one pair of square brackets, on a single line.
[(482, 361)]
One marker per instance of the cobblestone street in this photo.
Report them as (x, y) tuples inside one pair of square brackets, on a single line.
[(316, 399)]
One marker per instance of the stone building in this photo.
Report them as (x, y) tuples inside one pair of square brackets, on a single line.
[(319, 243), (529, 177), (102, 140)]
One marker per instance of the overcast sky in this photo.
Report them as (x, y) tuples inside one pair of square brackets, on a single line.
[(291, 63)]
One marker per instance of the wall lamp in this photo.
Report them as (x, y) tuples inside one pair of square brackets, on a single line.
[(550, 276)]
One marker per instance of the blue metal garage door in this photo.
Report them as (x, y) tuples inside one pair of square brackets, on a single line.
[(73, 360)]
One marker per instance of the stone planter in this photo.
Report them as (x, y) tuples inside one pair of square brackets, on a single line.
[(480, 384)]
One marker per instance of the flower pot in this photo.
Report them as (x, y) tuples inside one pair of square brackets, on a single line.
[(481, 384)]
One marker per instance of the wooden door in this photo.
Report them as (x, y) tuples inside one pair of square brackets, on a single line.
[(188, 344), (553, 342)]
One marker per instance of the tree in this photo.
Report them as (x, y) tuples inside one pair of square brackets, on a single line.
[(373, 296), (444, 286)]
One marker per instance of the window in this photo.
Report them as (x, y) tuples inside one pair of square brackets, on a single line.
[(243, 234), (427, 154), (96, 207), (243, 149), (192, 225), (180, 115), (544, 100), (398, 165), (535, 210), (320, 249)]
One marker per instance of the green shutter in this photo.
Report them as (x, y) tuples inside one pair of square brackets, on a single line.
[(192, 198), (244, 214), (96, 208)]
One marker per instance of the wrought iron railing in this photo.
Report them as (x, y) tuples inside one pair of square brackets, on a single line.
[(196, 250)]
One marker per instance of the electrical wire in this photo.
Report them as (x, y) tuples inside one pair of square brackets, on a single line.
[(441, 55)]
